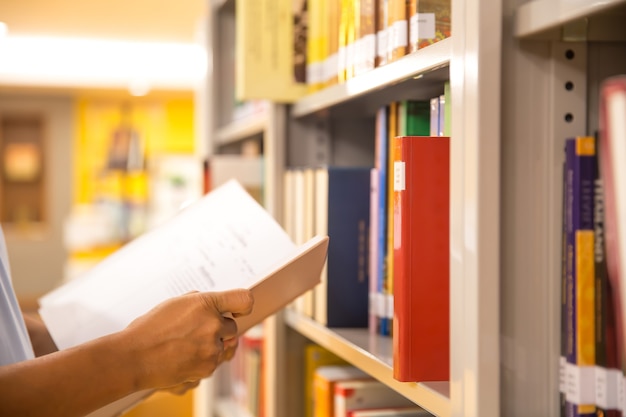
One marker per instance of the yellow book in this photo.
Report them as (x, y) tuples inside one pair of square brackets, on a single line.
[(366, 52), (265, 51), (331, 64), (324, 380), (398, 25), (315, 47), (315, 357)]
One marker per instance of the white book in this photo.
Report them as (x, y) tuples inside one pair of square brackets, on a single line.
[(225, 240)]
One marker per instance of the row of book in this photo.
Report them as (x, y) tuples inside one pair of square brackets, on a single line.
[(592, 349), (288, 48), (334, 388), (388, 257), (345, 38)]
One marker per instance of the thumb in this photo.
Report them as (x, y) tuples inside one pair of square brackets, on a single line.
[(238, 302)]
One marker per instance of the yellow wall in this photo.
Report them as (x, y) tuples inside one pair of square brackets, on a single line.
[(165, 126)]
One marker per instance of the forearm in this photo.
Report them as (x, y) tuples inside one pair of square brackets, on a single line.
[(71, 382)]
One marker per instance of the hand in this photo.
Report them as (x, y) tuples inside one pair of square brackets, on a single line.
[(185, 338)]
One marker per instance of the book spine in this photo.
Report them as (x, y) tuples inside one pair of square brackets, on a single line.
[(421, 265), (382, 163), (348, 224), (433, 21), (373, 251), (580, 159), (392, 127)]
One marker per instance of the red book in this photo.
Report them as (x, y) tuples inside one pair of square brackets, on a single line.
[(612, 150), (421, 341)]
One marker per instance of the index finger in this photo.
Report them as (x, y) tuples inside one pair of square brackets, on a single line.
[(238, 302)]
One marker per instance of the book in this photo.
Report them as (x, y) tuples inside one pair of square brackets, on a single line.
[(421, 343), (433, 21), (392, 126), (398, 30), (414, 118), (342, 210), (612, 148), (316, 356), (580, 174), (373, 252), (607, 362), (224, 240), (324, 380), (316, 47), (355, 394), (265, 50), (246, 169), (390, 412), (381, 163)]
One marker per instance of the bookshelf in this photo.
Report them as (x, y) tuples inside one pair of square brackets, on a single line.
[(507, 62)]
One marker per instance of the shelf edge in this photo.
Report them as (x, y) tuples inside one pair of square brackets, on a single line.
[(542, 16), (432, 57), (241, 129)]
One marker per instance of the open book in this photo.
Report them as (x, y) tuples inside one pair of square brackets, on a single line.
[(225, 240)]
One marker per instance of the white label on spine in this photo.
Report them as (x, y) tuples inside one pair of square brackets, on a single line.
[(607, 387), (581, 387), (413, 25), (398, 176), (426, 25), (562, 376), (389, 302)]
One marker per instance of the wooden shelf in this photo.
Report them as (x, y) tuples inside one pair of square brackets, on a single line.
[(373, 354)]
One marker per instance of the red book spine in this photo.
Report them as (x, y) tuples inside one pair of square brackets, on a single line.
[(421, 341)]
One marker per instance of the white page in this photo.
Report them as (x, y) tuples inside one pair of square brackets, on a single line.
[(225, 240)]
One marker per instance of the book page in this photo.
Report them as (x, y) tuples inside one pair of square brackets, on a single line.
[(225, 240)]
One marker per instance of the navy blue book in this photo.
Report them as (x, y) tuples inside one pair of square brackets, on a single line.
[(342, 211)]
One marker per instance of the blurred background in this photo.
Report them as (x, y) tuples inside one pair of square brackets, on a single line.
[(99, 132)]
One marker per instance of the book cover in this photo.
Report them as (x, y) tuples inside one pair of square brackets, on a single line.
[(315, 357), (350, 395), (421, 344), (366, 52), (342, 198), (434, 21), (324, 380), (317, 44), (392, 132), (373, 252), (414, 118), (607, 370), (224, 240), (398, 27), (382, 32), (381, 163), (331, 65), (612, 148), (580, 164), (265, 50)]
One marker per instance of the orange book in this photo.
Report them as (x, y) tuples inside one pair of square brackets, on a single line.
[(421, 325), (382, 10), (398, 26)]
